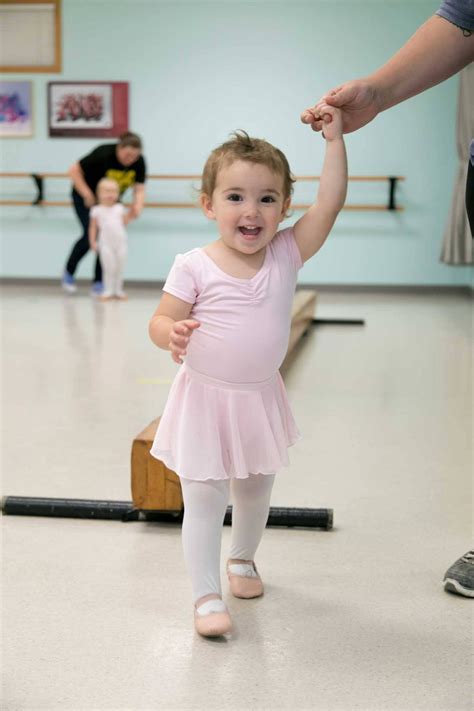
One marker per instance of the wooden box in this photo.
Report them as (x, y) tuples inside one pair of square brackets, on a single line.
[(154, 486)]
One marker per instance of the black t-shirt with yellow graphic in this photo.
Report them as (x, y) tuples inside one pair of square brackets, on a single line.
[(103, 163)]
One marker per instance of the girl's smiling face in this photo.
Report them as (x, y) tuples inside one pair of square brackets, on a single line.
[(248, 204)]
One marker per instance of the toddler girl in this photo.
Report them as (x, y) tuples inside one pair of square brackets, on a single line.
[(227, 308), (109, 218)]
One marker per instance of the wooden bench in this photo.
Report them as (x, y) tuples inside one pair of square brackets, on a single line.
[(302, 314), (157, 488)]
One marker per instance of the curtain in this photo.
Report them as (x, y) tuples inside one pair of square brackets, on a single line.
[(458, 243)]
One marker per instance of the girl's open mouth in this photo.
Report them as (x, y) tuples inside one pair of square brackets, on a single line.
[(250, 232)]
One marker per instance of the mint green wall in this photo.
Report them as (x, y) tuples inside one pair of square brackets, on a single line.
[(197, 71)]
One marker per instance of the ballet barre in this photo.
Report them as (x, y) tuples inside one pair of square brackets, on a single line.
[(40, 200)]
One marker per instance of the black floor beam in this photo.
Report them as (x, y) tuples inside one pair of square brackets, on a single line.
[(124, 511)]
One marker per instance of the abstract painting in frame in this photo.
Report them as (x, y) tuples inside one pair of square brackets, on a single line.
[(16, 109)]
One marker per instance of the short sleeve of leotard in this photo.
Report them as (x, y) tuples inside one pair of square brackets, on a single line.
[(95, 211), (285, 247), (181, 281)]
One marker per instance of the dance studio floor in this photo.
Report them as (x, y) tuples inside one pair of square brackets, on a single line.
[(97, 614)]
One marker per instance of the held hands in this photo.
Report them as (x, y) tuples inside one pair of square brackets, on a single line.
[(89, 200), (327, 117), (180, 334), (129, 216), (357, 101), (134, 212)]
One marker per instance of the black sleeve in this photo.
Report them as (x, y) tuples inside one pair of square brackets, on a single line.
[(91, 160), (141, 170)]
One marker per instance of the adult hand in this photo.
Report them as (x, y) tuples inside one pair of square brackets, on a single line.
[(180, 334), (89, 200), (134, 211), (357, 100)]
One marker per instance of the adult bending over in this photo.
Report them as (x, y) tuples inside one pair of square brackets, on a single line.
[(122, 162)]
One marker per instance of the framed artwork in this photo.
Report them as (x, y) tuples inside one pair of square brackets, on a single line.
[(16, 109), (31, 36), (87, 109)]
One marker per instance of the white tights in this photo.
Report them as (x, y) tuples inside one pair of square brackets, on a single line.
[(112, 258), (205, 504)]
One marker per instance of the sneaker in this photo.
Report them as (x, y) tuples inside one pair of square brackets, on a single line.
[(97, 288), (459, 577), (69, 283)]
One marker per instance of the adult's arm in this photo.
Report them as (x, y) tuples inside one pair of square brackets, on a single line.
[(80, 185), (436, 51), (138, 199)]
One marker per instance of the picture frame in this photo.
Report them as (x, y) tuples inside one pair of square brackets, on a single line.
[(16, 109), (31, 36), (97, 109)]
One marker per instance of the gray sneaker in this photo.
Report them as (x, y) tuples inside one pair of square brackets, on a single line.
[(459, 577)]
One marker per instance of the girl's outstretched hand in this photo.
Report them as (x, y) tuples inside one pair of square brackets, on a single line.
[(179, 337)]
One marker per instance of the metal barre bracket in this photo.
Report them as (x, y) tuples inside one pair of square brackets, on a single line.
[(392, 187), (38, 179)]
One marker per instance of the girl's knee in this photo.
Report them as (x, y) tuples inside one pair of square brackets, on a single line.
[(253, 485)]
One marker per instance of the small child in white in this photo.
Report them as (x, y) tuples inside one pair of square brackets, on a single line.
[(109, 218)]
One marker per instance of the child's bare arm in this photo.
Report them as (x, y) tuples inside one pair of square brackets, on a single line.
[(170, 328), (312, 229), (93, 233)]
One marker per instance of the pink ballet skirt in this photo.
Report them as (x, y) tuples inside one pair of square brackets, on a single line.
[(213, 429)]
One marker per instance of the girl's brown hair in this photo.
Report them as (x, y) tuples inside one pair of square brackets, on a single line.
[(255, 150)]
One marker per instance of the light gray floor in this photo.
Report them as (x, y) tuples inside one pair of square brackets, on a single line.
[(97, 615)]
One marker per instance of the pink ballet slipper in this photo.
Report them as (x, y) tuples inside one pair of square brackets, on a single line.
[(245, 586), (212, 624)]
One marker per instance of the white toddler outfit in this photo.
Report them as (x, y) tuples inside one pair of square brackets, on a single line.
[(112, 245)]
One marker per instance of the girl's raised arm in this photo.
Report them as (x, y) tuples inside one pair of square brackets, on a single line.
[(312, 229)]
